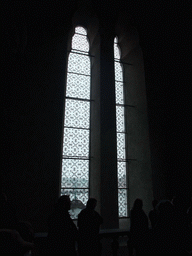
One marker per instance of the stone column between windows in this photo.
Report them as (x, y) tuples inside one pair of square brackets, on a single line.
[(108, 153)]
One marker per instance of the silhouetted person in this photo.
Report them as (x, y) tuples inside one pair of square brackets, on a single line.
[(89, 222), (153, 214), (164, 239), (62, 232), (138, 225), (182, 230)]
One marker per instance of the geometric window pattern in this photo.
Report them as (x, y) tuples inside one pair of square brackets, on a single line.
[(75, 162), (120, 126)]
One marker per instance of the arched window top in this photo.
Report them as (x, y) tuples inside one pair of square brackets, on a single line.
[(79, 40), (80, 30), (116, 49)]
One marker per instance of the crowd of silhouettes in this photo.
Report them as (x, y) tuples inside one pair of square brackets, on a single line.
[(63, 234), (169, 233)]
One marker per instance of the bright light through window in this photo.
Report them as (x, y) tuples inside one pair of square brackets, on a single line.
[(75, 162), (120, 127)]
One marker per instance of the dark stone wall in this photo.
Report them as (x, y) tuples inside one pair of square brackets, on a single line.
[(34, 50)]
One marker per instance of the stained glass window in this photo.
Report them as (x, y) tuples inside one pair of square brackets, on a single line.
[(120, 127), (75, 162)]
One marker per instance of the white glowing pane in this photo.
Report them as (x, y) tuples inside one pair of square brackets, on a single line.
[(118, 72), (122, 201), (122, 179), (77, 113), (119, 93), (76, 142), (78, 175), (79, 42), (116, 52), (80, 30), (78, 86), (121, 146), (120, 119), (78, 63)]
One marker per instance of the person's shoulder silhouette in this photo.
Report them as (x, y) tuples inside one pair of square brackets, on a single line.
[(62, 232), (139, 220), (89, 222)]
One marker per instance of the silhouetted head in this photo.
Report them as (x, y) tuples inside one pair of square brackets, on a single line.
[(138, 204), (64, 202), (91, 203), (154, 203)]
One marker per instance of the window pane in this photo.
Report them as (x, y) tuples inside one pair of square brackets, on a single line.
[(78, 86), (76, 142), (77, 113), (80, 42), (116, 51), (118, 72), (120, 119), (122, 183), (120, 146), (74, 173), (79, 63), (119, 92), (122, 200), (80, 30)]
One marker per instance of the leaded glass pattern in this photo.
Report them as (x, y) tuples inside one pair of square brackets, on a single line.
[(80, 43), (77, 113), (78, 86), (122, 202), (120, 127), (120, 119), (118, 72), (119, 92), (120, 146), (76, 143), (77, 173), (75, 163), (80, 30), (79, 63)]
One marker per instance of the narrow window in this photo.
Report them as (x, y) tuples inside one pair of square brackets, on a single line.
[(75, 159), (121, 133)]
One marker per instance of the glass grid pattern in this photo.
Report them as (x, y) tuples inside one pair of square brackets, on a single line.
[(75, 162), (120, 126)]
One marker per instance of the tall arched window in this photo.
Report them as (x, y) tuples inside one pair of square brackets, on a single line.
[(121, 133), (75, 159)]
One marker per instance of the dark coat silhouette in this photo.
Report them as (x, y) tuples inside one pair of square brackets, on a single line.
[(138, 227), (89, 222), (138, 218), (62, 232), (153, 214)]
